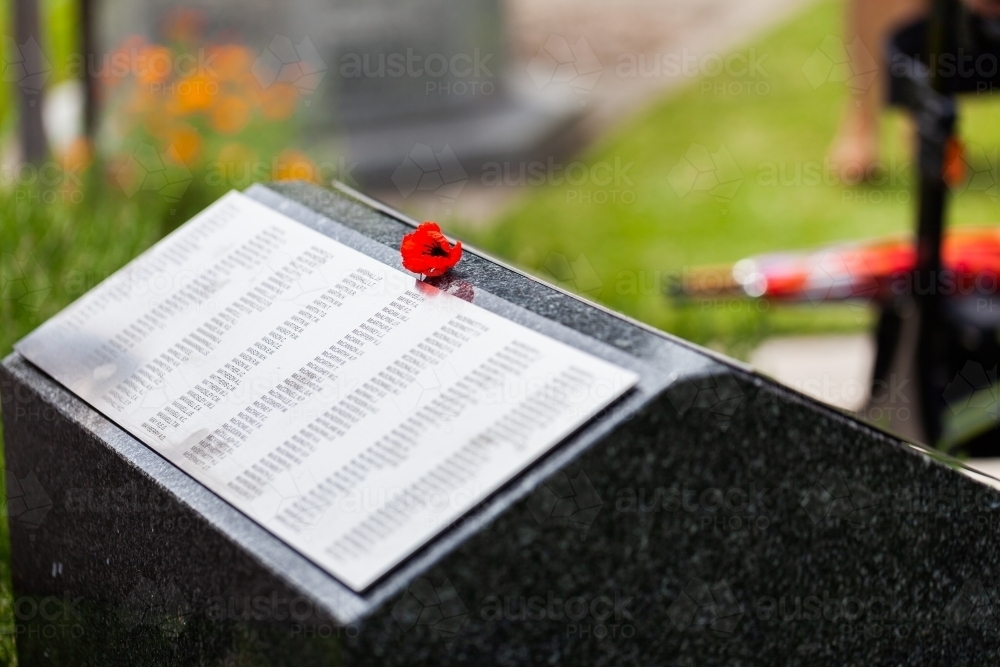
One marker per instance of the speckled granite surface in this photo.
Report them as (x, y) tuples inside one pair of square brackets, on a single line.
[(711, 518)]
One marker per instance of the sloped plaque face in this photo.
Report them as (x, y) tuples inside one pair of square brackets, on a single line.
[(349, 409)]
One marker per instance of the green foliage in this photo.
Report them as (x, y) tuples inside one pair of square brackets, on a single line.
[(52, 253)]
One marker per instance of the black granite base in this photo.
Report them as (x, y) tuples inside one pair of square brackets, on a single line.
[(711, 518)]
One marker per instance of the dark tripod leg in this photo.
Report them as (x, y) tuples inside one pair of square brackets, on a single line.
[(887, 335), (931, 371), (936, 123)]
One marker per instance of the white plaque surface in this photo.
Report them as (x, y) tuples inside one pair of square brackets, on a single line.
[(347, 408)]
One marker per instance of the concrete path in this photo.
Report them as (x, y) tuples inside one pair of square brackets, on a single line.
[(837, 370), (657, 35), (833, 369)]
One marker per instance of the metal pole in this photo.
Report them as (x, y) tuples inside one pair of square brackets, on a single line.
[(88, 48), (31, 80)]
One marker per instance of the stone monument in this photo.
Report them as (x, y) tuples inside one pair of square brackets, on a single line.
[(707, 516)]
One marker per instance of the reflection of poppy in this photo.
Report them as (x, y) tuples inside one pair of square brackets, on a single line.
[(454, 286), (426, 251)]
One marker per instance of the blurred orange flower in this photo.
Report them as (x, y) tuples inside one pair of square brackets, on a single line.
[(294, 165), (230, 62), (278, 101), (221, 98), (187, 142), (153, 64), (237, 153), (77, 155), (954, 162), (195, 93), (230, 115), (183, 24), (118, 66), (160, 125), (143, 101)]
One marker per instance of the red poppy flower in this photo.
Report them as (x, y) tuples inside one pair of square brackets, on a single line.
[(427, 251)]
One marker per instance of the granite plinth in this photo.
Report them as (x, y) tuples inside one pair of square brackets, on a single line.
[(710, 517)]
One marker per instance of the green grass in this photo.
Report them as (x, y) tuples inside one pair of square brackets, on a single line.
[(633, 246), (49, 256), (26, 235)]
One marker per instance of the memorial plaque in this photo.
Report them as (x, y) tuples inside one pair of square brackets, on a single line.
[(351, 409)]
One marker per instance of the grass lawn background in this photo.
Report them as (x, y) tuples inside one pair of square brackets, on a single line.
[(618, 253)]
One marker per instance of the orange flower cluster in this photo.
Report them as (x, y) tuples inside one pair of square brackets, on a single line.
[(177, 95)]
